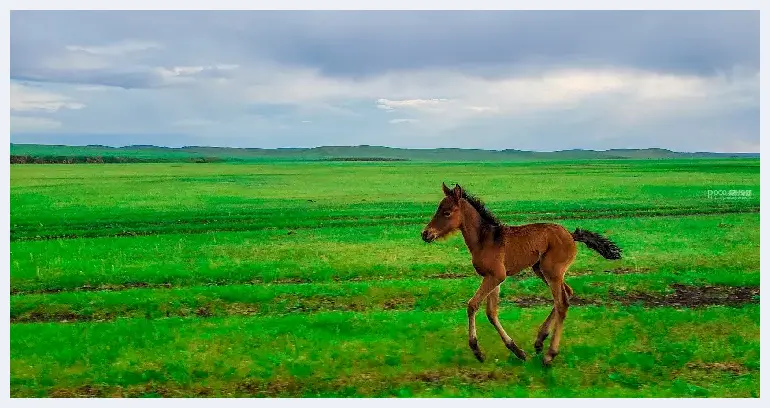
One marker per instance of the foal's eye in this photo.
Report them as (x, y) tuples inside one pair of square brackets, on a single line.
[(447, 213)]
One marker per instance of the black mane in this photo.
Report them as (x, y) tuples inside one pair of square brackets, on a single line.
[(489, 222)]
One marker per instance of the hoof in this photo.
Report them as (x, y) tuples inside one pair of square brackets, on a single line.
[(548, 359), (539, 343), (517, 351), (474, 345)]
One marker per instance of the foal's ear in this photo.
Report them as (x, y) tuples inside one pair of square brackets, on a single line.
[(457, 192), (446, 189)]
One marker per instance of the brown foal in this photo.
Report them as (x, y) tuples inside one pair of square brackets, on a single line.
[(499, 251)]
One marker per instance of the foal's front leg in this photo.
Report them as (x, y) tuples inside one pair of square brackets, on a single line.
[(489, 283)]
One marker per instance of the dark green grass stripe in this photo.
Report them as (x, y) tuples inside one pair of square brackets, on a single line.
[(605, 351), (730, 277), (192, 226), (654, 289)]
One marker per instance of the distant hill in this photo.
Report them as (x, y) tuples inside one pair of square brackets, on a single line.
[(34, 153)]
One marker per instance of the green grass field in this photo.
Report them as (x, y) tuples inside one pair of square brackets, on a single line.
[(310, 279)]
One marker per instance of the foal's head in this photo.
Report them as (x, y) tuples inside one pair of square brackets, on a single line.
[(448, 218)]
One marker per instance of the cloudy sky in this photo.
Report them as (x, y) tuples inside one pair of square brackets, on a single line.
[(686, 81)]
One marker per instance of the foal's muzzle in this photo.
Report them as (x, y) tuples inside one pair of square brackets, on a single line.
[(428, 236)]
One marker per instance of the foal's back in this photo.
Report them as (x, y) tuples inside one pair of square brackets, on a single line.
[(526, 245)]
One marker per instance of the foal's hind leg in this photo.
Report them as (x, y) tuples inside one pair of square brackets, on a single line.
[(545, 328), (559, 313), (543, 332), (493, 302)]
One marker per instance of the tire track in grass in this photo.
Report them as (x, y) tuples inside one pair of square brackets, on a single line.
[(408, 384), (432, 299), (117, 287), (97, 231)]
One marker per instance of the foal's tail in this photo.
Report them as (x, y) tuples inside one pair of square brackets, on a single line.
[(598, 243)]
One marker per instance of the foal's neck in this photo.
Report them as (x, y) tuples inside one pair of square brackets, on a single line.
[(470, 226)]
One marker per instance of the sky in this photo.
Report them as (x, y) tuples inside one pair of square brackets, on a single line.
[(545, 81)]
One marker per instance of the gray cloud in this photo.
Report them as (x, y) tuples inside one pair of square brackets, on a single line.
[(127, 80), (513, 79), (366, 43)]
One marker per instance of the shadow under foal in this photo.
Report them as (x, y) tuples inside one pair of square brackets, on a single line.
[(499, 251)]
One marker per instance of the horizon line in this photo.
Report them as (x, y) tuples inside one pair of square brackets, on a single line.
[(381, 146)]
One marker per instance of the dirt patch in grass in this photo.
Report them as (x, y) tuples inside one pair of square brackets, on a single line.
[(89, 288), (694, 296), (244, 388), (462, 375), (533, 301), (728, 367), (115, 287), (621, 270), (351, 304), (683, 296), (290, 280), (451, 275), (360, 384), (624, 270), (363, 383), (85, 391), (57, 316)]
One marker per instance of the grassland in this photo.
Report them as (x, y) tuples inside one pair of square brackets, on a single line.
[(310, 279)]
